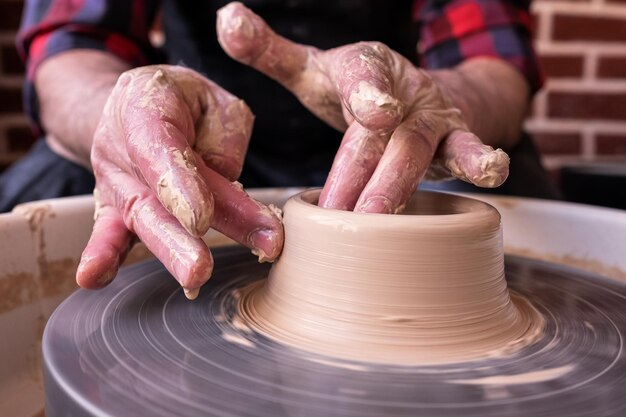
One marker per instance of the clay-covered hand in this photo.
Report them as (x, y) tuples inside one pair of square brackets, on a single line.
[(166, 154), (397, 120)]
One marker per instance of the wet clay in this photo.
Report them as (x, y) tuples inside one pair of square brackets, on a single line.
[(423, 287)]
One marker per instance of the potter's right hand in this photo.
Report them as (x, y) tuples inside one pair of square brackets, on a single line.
[(166, 153), (398, 120)]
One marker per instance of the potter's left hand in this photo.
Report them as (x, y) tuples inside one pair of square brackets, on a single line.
[(397, 118)]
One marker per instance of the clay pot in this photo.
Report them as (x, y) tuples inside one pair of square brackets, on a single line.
[(423, 287)]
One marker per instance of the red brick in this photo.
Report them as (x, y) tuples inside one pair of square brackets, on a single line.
[(611, 144), (11, 100), (10, 15), (588, 28), (556, 66), (558, 143), (612, 67), (609, 106), (11, 61), (19, 138)]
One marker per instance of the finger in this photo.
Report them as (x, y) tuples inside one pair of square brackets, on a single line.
[(246, 37), (364, 77), (472, 161), (159, 126), (108, 245), (244, 219), (406, 158), (355, 162), (186, 257), (223, 131)]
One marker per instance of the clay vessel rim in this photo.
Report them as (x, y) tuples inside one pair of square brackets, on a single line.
[(465, 207)]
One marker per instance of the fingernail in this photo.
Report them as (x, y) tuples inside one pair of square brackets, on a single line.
[(86, 275), (192, 271), (191, 293), (107, 277), (376, 205), (229, 21), (263, 244)]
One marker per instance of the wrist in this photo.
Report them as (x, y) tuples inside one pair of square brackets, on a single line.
[(456, 88), (492, 96), (79, 154), (72, 88)]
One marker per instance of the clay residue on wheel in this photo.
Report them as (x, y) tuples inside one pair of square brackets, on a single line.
[(426, 287), (532, 377), (591, 265)]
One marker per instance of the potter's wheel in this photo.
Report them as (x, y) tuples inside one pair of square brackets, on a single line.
[(140, 348)]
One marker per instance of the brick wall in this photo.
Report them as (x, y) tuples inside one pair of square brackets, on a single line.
[(580, 114), (15, 135)]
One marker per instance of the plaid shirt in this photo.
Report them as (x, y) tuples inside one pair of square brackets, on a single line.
[(451, 31)]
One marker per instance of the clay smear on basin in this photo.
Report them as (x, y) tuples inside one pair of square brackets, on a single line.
[(425, 287)]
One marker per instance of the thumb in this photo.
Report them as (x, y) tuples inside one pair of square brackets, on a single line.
[(246, 37)]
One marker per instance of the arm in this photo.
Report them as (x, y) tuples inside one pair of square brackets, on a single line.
[(72, 88), (74, 52), (481, 52), (488, 86)]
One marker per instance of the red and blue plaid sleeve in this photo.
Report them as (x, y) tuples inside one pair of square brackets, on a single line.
[(455, 30), (53, 26)]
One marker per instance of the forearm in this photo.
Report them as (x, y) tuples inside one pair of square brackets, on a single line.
[(492, 95), (72, 88)]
